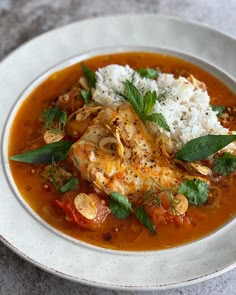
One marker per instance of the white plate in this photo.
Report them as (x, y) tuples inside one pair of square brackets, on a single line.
[(77, 261)]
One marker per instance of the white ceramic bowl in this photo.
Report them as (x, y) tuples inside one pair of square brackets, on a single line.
[(24, 232)]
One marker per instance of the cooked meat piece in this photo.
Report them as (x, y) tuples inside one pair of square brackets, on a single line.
[(118, 154)]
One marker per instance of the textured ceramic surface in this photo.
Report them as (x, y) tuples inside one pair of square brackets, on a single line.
[(89, 265)]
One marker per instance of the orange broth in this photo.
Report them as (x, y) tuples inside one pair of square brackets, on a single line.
[(131, 235)]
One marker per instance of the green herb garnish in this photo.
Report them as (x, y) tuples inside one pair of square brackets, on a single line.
[(218, 109), (135, 98), (159, 119), (60, 178), (149, 101), (70, 185), (203, 147), (56, 151), (148, 73), (173, 203), (195, 190), (122, 208), (152, 198), (55, 120), (225, 164), (86, 95), (89, 76), (119, 205), (54, 176), (143, 105), (144, 218)]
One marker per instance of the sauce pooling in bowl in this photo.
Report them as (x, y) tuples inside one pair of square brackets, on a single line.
[(37, 186)]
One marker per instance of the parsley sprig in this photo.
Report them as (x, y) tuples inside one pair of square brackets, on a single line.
[(225, 164), (195, 190), (219, 109), (143, 105), (121, 207), (142, 216), (148, 73)]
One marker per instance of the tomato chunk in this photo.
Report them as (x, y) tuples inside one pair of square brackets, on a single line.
[(67, 203)]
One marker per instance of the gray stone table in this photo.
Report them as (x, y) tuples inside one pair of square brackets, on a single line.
[(21, 20)]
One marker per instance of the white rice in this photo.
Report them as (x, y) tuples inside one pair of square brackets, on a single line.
[(110, 80), (186, 110)]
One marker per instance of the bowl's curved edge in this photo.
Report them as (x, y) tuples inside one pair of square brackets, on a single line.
[(60, 274), (72, 61), (113, 287), (165, 17), (94, 283)]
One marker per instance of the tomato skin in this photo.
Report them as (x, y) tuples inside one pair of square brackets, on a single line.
[(160, 215), (163, 214), (67, 205)]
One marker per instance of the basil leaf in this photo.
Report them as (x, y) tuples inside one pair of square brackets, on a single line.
[(144, 218), (159, 119), (202, 147), (86, 95), (195, 190), (89, 76), (56, 151), (218, 109), (225, 164), (119, 205), (148, 73), (70, 185)]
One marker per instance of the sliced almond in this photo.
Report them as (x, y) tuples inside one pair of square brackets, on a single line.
[(204, 170), (85, 206), (180, 204), (197, 84), (120, 147), (192, 168), (50, 137), (84, 83), (85, 112)]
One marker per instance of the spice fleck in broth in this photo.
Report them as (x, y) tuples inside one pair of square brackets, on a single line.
[(123, 178)]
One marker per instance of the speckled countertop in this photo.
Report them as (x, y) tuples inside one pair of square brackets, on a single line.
[(21, 20)]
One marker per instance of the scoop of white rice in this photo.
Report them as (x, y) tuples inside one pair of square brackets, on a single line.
[(110, 81), (186, 110)]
